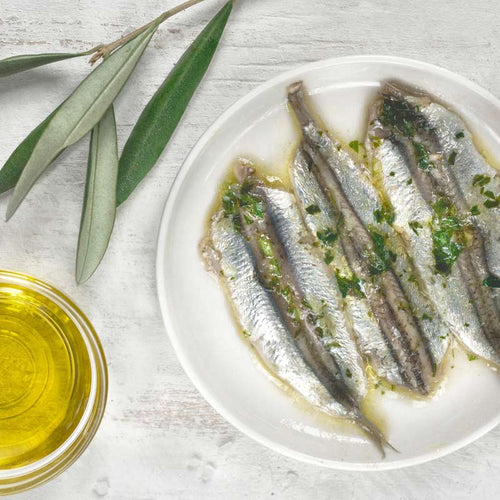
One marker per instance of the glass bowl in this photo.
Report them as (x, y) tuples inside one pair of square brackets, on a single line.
[(53, 382)]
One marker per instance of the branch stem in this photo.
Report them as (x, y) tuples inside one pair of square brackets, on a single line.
[(102, 51)]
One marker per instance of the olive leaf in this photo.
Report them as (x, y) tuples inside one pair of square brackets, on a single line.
[(13, 167), (99, 205), (80, 112), (161, 115), (17, 64)]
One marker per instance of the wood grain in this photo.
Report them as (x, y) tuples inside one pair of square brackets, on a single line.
[(159, 438)]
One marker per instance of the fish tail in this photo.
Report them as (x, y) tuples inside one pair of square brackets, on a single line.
[(375, 434)]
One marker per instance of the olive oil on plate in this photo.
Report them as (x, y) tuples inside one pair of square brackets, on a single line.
[(45, 376)]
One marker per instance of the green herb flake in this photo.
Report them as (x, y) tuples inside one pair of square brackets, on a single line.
[(492, 281), (392, 174), (352, 285), (452, 158), (376, 141), (445, 251), (471, 357), (381, 258), (313, 209), (385, 213), (460, 135), (415, 226), (354, 145), (409, 182), (475, 210), (348, 373), (401, 116), (422, 156), (481, 180), (492, 203), (328, 257), (427, 317), (265, 245), (444, 207), (327, 236)]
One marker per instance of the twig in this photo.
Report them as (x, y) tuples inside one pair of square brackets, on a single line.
[(102, 51)]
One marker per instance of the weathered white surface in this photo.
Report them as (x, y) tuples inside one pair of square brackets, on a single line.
[(159, 439)]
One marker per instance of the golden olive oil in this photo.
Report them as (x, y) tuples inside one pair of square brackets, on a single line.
[(45, 376)]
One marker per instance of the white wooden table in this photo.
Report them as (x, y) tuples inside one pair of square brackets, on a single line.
[(159, 438)]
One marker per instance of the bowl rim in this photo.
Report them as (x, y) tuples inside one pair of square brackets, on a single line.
[(23, 478), (189, 369)]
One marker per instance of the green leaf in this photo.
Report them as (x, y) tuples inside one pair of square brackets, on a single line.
[(16, 64), (99, 205), (13, 167), (80, 112), (161, 115)]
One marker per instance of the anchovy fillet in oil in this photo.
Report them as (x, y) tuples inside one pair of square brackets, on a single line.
[(286, 344), (433, 215), (356, 199), (322, 219)]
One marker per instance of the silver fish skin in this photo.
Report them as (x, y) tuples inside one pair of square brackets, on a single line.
[(458, 161), (228, 255), (227, 252), (369, 337), (449, 293), (466, 305), (350, 187), (317, 287), (468, 163)]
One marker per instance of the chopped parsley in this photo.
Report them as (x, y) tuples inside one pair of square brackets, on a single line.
[(471, 357), (447, 237), (415, 226), (265, 245), (402, 116), (328, 257), (452, 158), (236, 197), (460, 135), (347, 285), (422, 156), (327, 236), (385, 213), (381, 258), (354, 145), (313, 209), (481, 180), (425, 316), (376, 141), (409, 182), (492, 203), (492, 281), (475, 210)]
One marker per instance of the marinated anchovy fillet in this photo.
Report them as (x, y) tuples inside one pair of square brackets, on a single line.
[(433, 215), (299, 364), (478, 181), (321, 219), (228, 252), (356, 199)]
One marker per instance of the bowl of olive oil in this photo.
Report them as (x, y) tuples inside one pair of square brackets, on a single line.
[(53, 382)]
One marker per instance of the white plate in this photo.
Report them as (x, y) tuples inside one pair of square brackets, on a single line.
[(197, 316)]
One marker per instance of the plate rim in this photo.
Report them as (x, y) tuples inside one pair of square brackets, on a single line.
[(200, 385)]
